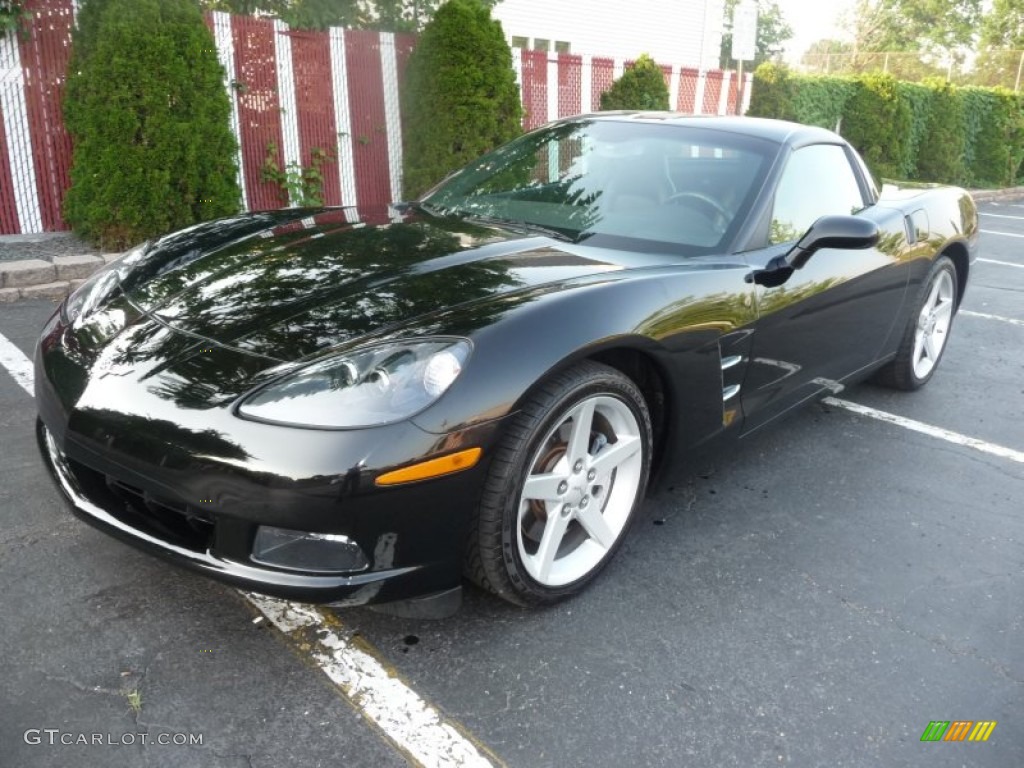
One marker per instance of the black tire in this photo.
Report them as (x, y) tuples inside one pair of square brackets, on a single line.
[(902, 371), (493, 557)]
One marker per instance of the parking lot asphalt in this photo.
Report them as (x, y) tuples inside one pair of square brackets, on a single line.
[(812, 596)]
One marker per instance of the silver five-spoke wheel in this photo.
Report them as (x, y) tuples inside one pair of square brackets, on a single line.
[(927, 330), (933, 324), (581, 489), (563, 485)]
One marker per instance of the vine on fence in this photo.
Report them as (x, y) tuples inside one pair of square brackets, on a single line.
[(301, 186), (13, 16)]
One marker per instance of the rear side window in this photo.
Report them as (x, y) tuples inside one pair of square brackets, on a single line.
[(818, 181)]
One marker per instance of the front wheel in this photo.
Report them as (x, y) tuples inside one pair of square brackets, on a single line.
[(563, 488), (927, 331)]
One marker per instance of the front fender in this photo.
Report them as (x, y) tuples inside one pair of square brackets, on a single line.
[(676, 317)]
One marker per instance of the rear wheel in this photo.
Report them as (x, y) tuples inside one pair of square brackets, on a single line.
[(927, 331), (563, 488)]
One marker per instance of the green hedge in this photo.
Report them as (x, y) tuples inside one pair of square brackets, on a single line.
[(929, 131)]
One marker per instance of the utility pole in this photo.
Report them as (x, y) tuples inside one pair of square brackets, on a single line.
[(744, 42)]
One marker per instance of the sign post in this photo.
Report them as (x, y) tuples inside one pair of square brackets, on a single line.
[(744, 41)]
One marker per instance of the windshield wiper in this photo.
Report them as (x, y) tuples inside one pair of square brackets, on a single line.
[(525, 226), (515, 224), (430, 209)]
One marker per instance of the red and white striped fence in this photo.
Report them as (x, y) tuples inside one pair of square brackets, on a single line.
[(300, 90)]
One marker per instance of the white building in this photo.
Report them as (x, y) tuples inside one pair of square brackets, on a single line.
[(684, 32)]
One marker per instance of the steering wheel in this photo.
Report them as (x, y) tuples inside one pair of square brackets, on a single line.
[(719, 216)]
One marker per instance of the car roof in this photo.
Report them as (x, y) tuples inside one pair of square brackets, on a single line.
[(779, 131)]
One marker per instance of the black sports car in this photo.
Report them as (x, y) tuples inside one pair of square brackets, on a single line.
[(351, 407)]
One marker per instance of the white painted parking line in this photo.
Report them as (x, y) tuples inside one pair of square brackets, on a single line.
[(986, 316), (1001, 234), (415, 727), (1003, 263), (927, 429), (19, 366), (1001, 216)]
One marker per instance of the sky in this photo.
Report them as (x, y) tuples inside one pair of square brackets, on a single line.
[(811, 20)]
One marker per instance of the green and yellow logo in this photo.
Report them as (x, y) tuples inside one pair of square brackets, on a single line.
[(958, 730)]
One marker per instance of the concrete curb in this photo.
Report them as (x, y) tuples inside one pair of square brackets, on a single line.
[(990, 195), (39, 279)]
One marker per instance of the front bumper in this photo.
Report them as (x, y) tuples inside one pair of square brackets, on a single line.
[(156, 482), (82, 488), (129, 526)]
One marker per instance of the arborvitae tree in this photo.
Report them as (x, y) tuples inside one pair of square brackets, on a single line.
[(460, 98), (149, 116), (876, 121), (640, 87), (773, 92), (941, 154)]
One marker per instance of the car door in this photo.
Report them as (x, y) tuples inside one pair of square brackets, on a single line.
[(831, 318)]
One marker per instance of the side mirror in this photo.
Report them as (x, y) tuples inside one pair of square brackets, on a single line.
[(848, 232)]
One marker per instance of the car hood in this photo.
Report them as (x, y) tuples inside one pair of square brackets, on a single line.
[(287, 285)]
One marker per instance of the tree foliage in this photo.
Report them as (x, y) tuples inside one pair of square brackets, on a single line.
[(1003, 25), (909, 39), (773, 32), (460, 98), (147, 110), (387, 15), (915, 25), (1001, 44), (13, 16), (642, 86)]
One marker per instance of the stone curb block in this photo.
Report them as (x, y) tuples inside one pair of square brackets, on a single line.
[(37, 278), (76, 267), (17, 274), (55, 291), (988, 195)]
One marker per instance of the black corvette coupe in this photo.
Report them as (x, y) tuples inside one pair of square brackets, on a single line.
[(350, 407)]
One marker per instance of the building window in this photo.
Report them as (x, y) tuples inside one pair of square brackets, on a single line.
[(540, 44), (561, 46), (520, 42)]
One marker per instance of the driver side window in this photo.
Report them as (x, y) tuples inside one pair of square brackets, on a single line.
[(818, 181)]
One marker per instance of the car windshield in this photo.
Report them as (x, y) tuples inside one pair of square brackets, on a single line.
[(623, 183)]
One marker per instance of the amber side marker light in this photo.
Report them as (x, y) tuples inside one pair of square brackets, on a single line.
[(446, 465)]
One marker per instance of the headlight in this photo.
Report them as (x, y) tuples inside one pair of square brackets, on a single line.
[(98, 288), (367, 387)]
